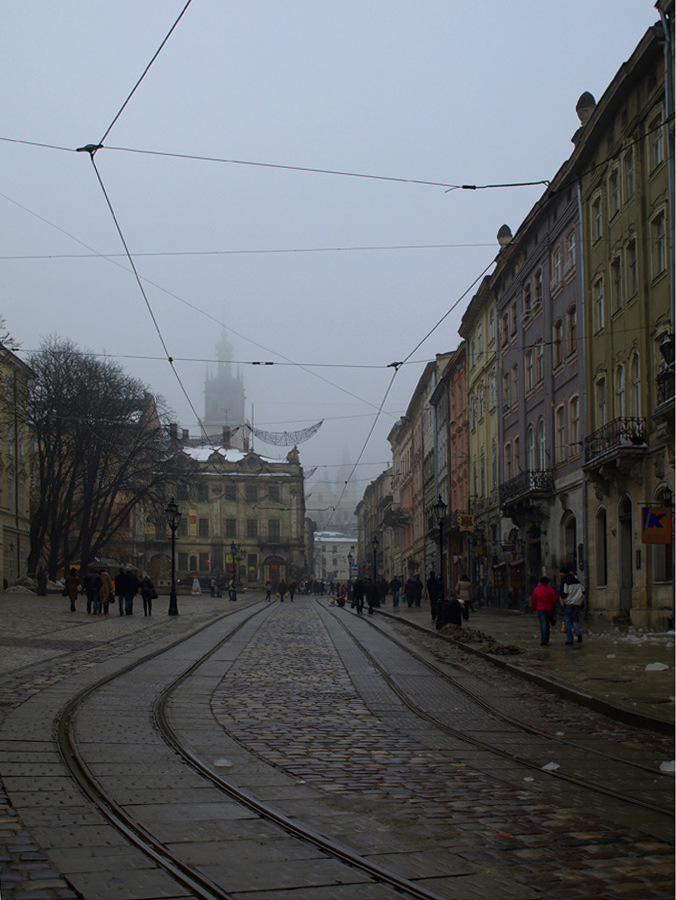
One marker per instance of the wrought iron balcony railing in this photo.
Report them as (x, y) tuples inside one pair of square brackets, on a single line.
[(621, 433), (527, 483), (665, 386)]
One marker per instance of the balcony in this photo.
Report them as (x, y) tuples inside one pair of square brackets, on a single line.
[(625, 434), (665, 387), (529, 484)]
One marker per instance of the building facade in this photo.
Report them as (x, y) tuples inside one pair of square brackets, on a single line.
[(332, 550), (15, 468)]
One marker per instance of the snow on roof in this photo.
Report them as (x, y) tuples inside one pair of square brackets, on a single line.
[(231, 454)]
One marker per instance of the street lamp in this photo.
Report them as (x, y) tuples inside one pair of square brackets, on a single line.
[(440, 515), (173, 518), (349, 566), (375, 557)]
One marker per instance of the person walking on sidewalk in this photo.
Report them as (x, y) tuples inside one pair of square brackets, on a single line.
[(543, 601), (148, 594), (72, 587), (92, 585), (464, 591), (418, 591), (572, 596), (105, 591), (395, 589)]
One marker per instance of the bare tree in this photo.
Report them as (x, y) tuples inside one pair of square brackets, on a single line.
[(6, 339), (101, 447)]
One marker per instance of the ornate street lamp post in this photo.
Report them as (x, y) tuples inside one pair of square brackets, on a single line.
[(173, 518), (440, 515), (234, 552)]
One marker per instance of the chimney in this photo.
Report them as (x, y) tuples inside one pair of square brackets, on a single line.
[(173, 435), (186, 435), (226, 437), (245, 443)]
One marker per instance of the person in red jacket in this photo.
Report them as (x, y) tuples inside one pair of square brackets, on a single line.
[(543, 601)]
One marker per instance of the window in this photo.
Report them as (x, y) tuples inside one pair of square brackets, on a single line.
[(493, 390), (203, 492), (507, 391), (601, 549), (557, 342), (556, 267), (482, 404), (601, 402), (203, 528), (182, 492), (540, 361), (472, 353), (656, 137), (629, 175), (526, 299), (515, 384), (508, 462), (530, 449), (542, 447), (596, 218), (616, 282), (505, 328), (491, 325), (273, 530), (619, 393), (231, 528), (182, 561), (517, 455), (512, 320), (569, 262), (561, 434), (473, 409), (480, 340), (252, 493), (252, 528), (182, 530), (494, 466), (530, 369), (274, 495), (571, 319), (574, 431), (659, 235), (599, 309), (537, 281), (632, 268), (613, 193), (482, 474), (204, 562), (635, 375), (231, 493)]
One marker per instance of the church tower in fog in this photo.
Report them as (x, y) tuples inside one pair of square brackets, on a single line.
[(224, 396)]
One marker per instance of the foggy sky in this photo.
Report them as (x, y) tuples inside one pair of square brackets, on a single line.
[(433, 91)]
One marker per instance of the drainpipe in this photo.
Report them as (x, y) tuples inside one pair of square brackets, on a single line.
[(583, 407), (669, 110)]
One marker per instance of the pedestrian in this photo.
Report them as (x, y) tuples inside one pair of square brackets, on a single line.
[(131, 590), (213, 587), (106, 591), (282, 588), (293, 587), (395, 589), (372, 596), (409, 592), (232, 590), (449, 612), (358, 596), (268, 589), (72, 587), (418, 591), (92, 586), (41, 578), (543, 601), (572, 595), (148, 594), (433, 592), (463, 590), (121, 589)]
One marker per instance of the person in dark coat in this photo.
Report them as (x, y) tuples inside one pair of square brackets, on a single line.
[(358, 596), (92, 585), (148, 593), (409, 592), (72, 587), (121, 589), (372, 595), (418, 591), (132, 586)]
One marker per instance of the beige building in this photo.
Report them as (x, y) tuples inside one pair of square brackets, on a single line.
[(242, 514), (15, 461), (623, 165)]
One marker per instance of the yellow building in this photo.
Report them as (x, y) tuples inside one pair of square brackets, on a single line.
[(15, 461), (622, 162)]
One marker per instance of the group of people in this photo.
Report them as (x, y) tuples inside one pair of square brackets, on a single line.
[(281, 590), (546, 603), (100, 591)]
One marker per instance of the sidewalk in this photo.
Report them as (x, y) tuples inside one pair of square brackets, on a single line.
[(611, 671)]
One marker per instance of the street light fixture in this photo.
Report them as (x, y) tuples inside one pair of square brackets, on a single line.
[(440, 514), (349, 566), (234, 552), (173, 519)]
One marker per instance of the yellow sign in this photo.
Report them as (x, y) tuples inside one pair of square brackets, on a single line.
[(466, 522)]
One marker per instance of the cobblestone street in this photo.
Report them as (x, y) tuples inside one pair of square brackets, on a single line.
[(299, 696)]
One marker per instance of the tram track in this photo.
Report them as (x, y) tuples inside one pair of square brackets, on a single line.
[(191, 877), (493, 711)]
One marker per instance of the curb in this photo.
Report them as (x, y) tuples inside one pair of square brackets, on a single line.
[(618, 713)]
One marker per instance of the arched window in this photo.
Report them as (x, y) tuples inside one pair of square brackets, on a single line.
[(530, 448), (542, 447), (601, 402), (635, 375), (601, 548), (620, 407)]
